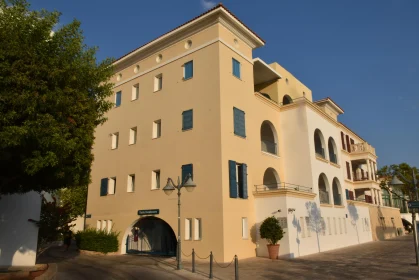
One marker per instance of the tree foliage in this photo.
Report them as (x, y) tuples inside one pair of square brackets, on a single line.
[(386, 173), (53, 94), (271, 230), (75, 198)]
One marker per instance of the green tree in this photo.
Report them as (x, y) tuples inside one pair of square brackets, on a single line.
[(53, 94), (386, 173), (271, 230), (75, 198)]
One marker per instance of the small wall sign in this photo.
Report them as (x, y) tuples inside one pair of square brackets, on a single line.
[(149, 212), (88, 216)]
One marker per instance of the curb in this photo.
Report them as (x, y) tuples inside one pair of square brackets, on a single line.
[(50, 272)]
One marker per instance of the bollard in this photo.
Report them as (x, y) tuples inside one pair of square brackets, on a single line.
[(210, 274), (193, 260), (236, 267)]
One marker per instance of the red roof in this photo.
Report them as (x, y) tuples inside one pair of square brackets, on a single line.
[(195, 18)]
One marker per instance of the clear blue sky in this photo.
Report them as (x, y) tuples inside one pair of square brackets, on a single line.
[(362, 54)]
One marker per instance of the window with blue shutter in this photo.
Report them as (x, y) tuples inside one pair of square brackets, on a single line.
[(239, 122), (236, 68), (347, 194), (187, 169), (118, 99), (233, 179), (104, 187), (188, 69), (187, 120), (243, 181)]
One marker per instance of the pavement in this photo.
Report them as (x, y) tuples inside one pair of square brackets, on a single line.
[(389, 259)]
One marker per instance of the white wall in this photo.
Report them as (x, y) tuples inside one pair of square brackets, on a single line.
[(18, 236)]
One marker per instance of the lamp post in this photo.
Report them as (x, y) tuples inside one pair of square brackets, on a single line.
[(189, 185), (396, 182)]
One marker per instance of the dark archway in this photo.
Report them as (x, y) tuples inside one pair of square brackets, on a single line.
[(271, 179), (324, 189), (268, 138), (286, 100), (151, 235), (319, 143), (337, 194), (332, 150)]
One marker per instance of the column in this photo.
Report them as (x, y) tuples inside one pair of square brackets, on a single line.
[(352, 172), (380, 192), (372, 196), (369, 169), (372, 170), (390, 195)]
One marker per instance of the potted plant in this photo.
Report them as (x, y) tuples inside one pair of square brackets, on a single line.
[(272, 232)]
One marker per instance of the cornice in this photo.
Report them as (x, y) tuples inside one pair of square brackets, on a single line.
[(268, 102)]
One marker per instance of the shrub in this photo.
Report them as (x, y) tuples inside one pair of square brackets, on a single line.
[(92, 239), (271, 230)]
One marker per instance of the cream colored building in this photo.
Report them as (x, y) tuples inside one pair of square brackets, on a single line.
[(196, 101)]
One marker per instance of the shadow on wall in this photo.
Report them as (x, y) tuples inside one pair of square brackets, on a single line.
[(18, 236), (315, 223), (354, 216), (297, 226), (385, 230)]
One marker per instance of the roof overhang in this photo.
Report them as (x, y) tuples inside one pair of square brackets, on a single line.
[(263, 73), (331, 103), (218, 14)]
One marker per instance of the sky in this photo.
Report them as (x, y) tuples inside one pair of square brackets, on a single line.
[(364, 54)]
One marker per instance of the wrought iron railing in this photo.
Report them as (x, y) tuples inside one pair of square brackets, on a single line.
[(324, 197), (282, 186), (269, 147)]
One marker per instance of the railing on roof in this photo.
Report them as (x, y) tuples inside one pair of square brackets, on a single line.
[(281, 186)]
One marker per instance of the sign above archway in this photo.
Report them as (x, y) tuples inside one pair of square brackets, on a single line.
[(148, 212)]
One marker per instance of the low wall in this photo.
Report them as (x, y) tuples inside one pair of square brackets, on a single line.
[(386, 222)]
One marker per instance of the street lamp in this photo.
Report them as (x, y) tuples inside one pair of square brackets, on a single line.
[(395, 181), (189, 185)]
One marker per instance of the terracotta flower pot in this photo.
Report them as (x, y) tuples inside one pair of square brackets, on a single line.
[(273, 251)]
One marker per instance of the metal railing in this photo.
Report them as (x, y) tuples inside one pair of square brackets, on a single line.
[(320, 153), (337, 200), (324, 197), (269, 147), (333, 158), (281, 186)]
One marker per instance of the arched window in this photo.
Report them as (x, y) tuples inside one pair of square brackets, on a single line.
[(268, 138), (271, 179), (323, 189), (286, 100), (337, 194), (332, 150), (319, 143)]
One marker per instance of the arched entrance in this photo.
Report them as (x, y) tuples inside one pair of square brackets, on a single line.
[(151, 235)]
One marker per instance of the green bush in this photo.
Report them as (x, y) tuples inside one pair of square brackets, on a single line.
[(92, 239), (271, 230)]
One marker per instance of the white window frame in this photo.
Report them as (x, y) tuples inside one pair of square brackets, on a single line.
[(245, 228), (114, 140), (155, 179), (131, 183), (135, 92), (158, 82), (156, 129), (111, 185), (188, 229), (197, 229), (133, 135)]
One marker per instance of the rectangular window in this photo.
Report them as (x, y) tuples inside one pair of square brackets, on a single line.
[(245, 229), (135, 92), (109, 226), (348, 170), (348, 145), (158, 82), (155, 179), (187, 169), (308, 226), (104, 186), (188, 229), (112, 185), (329, 226), (188, 70), (131, 183), (303, 228), (198, 229), (238, 179), (342, 136), (187, 119), (334, 226), (98, 224), (157, 129), (133, 135), (236, 68), (115, 140), (239, 122), (118, 98)]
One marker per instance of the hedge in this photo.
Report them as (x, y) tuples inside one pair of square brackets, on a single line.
[(92, 239)]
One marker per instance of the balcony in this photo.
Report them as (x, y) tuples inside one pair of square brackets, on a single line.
[(283, 189), (360, 148)]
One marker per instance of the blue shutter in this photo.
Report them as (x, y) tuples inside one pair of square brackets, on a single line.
[(187, 122), (239, 122), (236, 68), (187, 169), (118, 99), (347, 194), (188, 70), (232, 176), (244, 181), (104, 187)]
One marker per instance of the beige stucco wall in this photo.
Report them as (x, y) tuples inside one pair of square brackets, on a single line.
[(384, 222)]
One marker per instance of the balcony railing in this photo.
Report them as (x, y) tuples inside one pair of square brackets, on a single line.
[(269, 147), (361, 177), (362, 148), (324, 197), (333, 158), (282, 186)]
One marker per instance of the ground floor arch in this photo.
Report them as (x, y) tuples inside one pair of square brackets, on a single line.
[(150, 235)]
